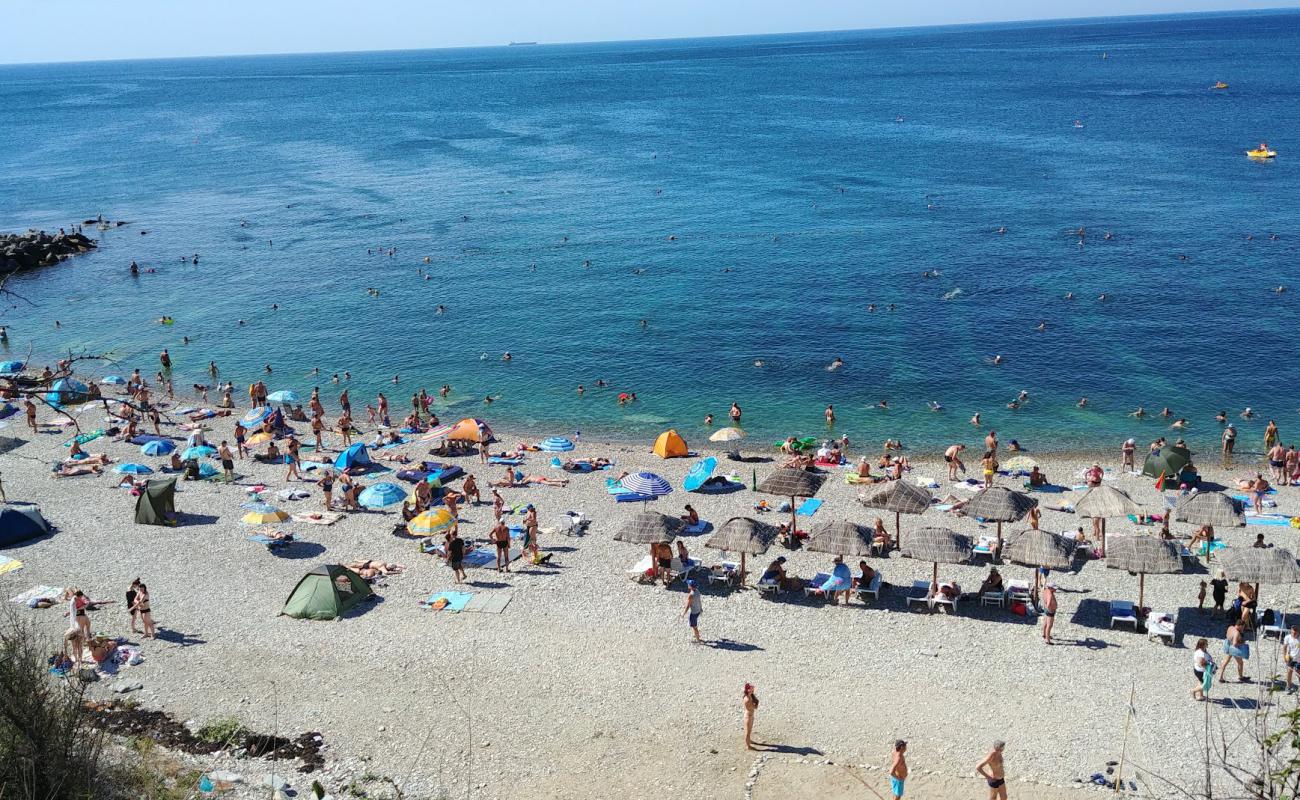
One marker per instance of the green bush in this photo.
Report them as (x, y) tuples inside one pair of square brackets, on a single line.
[(221, 731)]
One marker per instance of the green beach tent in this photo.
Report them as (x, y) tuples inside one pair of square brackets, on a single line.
[(326, 592), (156, 505), (1170, 462)]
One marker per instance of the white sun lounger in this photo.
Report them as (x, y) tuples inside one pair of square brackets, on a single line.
[(1161, 625), (728, 572), (679, 570), (1122, 611), (873, 589)]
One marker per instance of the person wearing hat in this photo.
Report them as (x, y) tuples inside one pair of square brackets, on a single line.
[(1229, 439), (694, 608), (1126, 452)]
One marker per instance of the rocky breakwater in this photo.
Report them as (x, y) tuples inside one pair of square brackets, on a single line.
[(32, 249)]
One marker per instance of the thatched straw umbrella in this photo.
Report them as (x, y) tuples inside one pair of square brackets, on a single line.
[(649, 527), (841, 538), (998, 504), (1144, 554), (742, 535), (938, 546), (730, 436), (1209, 508), (1040, 549), (1100, 502), (792, 483), (1273, 565), (900, 497)]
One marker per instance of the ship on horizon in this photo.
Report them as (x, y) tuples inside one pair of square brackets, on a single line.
[(520, 44)]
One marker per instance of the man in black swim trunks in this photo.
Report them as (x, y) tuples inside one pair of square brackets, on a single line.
[(992, 771), (456, 554)]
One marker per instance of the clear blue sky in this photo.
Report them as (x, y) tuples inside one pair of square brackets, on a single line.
[(81, 30)]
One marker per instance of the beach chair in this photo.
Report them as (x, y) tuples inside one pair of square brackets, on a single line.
[(814, 586), (919, 593), (985, 547), (873, 589), (998, 599), (1018, 590), (1278, 628), (1122, 611), (940, 600), (767, 586), (1161, 625), (727, 573)]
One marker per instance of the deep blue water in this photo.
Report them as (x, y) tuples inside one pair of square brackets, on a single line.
[(777, 157)]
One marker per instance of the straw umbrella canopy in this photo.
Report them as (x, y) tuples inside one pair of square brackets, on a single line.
[(998, 504), (1143, 555), (938, 546), (729, 435), (742, 535), (649, 527), (1100, 502), (792, 483), (1273, 565), (841, 538), (900, 497), (1209, 508), (1040, 549)]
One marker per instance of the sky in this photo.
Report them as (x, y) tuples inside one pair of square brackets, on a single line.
[(82, 30)]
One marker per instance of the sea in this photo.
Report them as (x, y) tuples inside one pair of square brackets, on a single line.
[(696, 222)]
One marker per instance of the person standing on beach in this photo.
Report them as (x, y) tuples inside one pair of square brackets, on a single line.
[(1126, 455), (1049, 611), (1235, 648), (241, 436), (1203, 669), (1291, 656), (382, 403), (456, 555), (317, 428), (130, 604), (749, 702), (734, 413), (992, 770), (344, 402), (952, 456), (345, 428), (991, 442), (989, 464), (693, 609), (498, 505), (142, 605), (227, 460), (501, 538), (291, 458), (1229, 441), (1277, 462), (30, 408), (898, 769)]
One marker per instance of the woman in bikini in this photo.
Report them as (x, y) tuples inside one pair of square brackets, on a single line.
[(144, 609)]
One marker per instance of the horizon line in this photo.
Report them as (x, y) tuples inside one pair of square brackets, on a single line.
[(881, 29)]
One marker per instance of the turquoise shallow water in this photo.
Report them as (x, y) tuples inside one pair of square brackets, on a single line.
[(795, 199)]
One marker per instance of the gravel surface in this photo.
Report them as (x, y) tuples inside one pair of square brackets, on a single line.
[(588, 684)]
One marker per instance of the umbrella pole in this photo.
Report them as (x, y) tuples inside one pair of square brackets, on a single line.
[(1103, 537), (898, 530), (742, 567), (936, 573), (997, 554), (1142, 585)]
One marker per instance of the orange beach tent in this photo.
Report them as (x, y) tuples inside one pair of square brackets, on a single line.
[(670, 445)]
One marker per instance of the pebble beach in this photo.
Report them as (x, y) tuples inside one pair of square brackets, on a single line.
[(587, 684)]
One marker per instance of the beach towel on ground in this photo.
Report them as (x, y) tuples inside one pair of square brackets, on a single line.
[(1268, 519), (82, 438), (809, 507), (37, 593), (487, 556), (9, 564), (318, 517), (448, 601)]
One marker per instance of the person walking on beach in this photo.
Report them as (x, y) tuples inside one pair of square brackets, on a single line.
[(1203, 669), (345, 429), (317, 428), (1235, 648), (992, 770), (953, 458), (1049, 611), (1291, 656), (898, 769), (227, 460), (241, 436), (326, 484), (498, 505), (749, 702), (1277, 462), (30, 408), (456, 555), (693, 609), (291, 458)]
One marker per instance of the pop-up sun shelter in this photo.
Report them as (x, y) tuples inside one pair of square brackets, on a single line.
[(156, 505), (326, 592), (670, 444), (354, 456), (20, 522)]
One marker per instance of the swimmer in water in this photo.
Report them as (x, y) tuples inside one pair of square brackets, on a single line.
[(1013, 405), (997, 359), (1279, 290), (1179, 423), (758, 362), (1022, 396), (1101, 298), (1139, 413), (1165, 412), (506, 356), (1083, 402), (934, 405), (267, 368), (883, 405), (1002, 230), (1042, 326), (836, 364), (441, 309), (396, 379), (871, 307), (975, 420), (1069, 295), (1247, 414)]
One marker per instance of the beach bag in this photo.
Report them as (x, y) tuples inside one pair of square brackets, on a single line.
[(1019, 608)]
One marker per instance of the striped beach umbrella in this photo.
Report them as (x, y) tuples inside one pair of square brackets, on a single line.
[(431, 522), (255, 416), (555, 444), (133, 469), (157, 447), (647, 484), (379, 495)]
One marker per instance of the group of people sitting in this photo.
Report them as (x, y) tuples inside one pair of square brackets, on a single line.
[(841, 583)]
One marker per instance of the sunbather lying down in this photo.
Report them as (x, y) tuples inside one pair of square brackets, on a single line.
[(79, 468), (276, 535), (546, 480), (371, 568), (956, 502), (98, 458)]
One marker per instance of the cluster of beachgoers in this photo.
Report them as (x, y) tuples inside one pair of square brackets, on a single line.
[(497, 622)]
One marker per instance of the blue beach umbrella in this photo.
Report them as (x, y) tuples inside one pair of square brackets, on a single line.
[(283, 397), (381, 494), (109, 380), (700, 472), (647, 484), (198, 451), (10, 367), (66, 391), (132, 469), (555, 444), (157, 447), (255, 416)]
